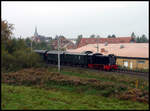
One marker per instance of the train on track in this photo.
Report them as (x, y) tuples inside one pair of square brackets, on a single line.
[(86, 59)]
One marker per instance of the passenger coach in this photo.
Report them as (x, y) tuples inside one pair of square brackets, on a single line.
[(86, 59)]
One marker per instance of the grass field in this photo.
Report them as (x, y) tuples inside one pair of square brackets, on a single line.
[(23, 97), (73, 88)]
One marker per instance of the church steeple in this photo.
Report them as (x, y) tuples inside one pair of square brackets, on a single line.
[(35, 33)]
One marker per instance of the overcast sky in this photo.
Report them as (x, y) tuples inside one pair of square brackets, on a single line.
[(73, 18)]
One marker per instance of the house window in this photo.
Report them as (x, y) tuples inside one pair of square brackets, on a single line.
[(131, 65), (141, 62), (125, 63)]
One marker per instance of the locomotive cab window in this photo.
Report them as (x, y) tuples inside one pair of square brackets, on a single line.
[(112, 60)]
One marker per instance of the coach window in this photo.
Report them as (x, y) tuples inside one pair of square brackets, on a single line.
[(131, 65), (141, 62), (79, 57)]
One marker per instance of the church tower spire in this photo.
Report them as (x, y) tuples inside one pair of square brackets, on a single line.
[(35, 33)]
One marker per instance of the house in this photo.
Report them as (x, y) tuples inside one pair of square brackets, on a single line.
[(85, 41), (64, 43), (133, 62), (130, 55)]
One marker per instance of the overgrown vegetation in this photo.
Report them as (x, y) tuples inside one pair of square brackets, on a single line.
[(25, 98), (114, 86), (15, 54)]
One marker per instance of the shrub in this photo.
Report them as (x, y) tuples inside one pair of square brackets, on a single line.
[(121, 87), (108, 92), (44, 78), (135, 95), (27, 59), (7, 61), (20, 59)]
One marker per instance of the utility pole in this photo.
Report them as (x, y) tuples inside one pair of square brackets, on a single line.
[(97, 44), (31, 43), (31, 52), (58, 43)]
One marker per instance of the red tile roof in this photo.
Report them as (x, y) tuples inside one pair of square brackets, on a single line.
[(85, 41), (129, 50), (64, 43)]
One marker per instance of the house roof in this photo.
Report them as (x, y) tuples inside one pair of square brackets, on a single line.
[(85, 41), (129, 50), (64, 42)]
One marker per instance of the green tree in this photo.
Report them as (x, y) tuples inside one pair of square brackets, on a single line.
[(113, 36), (6, 30), (109, 36), (28, 42), (56, 37), (144, 39), (80, 36), (16, 44), (43, 45), (138, 39), (98, 36), (6, 34), (78, 39), (133, 37), (38, 46), (15, 53), (92, 36)]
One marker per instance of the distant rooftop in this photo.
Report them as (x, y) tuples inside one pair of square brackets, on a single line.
[(85, 41), (120, 49)]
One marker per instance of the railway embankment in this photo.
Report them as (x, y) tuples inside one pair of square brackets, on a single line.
[(122, 87)]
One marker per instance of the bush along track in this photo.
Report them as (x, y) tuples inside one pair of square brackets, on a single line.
[(43, 78)]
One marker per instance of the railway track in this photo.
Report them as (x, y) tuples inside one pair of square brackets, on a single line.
[(119, 71), (130, 72)]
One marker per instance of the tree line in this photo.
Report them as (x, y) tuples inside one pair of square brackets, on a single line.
[(134, 38), (139, 39), (15, 52), (38, 45)]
